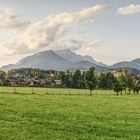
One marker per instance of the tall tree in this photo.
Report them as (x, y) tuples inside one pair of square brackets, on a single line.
[(90, 79), (130, 83)]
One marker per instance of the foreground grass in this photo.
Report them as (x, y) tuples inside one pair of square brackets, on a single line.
[(43, 117)]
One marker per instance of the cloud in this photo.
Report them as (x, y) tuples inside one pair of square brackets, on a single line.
[(46, 32), (76, 44), (72, 44), (93, 44), (129, 10), (12, 21), (90, 47), (79, 44)]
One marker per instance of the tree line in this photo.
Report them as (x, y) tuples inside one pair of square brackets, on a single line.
[(124, 81), (121, 81)]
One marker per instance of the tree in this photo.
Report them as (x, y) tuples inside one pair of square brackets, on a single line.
[(2, 75), (106, 80), (2, 78), (130, 83), (127, 80), (63, 78), (102, 81), (136, 87), (118, 87), (67, 79), (76, 79), (82, 82), (123, 80), (90, 79)]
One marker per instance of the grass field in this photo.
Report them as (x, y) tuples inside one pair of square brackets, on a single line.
[(26, 116), (53, 91)]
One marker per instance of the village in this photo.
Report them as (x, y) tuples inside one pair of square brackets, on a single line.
[(32, 77), (37, 81)]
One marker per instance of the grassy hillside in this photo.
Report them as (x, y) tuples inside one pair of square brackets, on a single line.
[(43, 117)]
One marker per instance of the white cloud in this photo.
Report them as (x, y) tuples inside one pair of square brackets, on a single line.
[(46, 32), (129, 10), (95, 43), (62, 43), (89, 48), (12, 21), (78, 45)]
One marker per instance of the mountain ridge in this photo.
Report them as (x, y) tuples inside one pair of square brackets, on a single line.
[(55, 60), (67, 60), (135, 64)]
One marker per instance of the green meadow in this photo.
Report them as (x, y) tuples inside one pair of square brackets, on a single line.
[(67, 114)]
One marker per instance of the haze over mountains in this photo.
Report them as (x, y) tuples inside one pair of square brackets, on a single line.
[(66, 60)]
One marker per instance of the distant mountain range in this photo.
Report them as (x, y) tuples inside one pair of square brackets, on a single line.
[(135, 64), (63, 60)]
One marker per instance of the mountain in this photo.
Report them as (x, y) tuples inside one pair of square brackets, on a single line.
[(63, 60), (72, 56), (135, 64), (43, 60), (56, 60), (84, 65), (7, 67), (136, 61)]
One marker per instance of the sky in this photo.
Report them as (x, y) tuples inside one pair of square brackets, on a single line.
[(107, 30)]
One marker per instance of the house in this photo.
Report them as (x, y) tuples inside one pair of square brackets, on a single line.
[(58, 82), (34, 82), (13, 82), (37, 81), (50, 81)]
